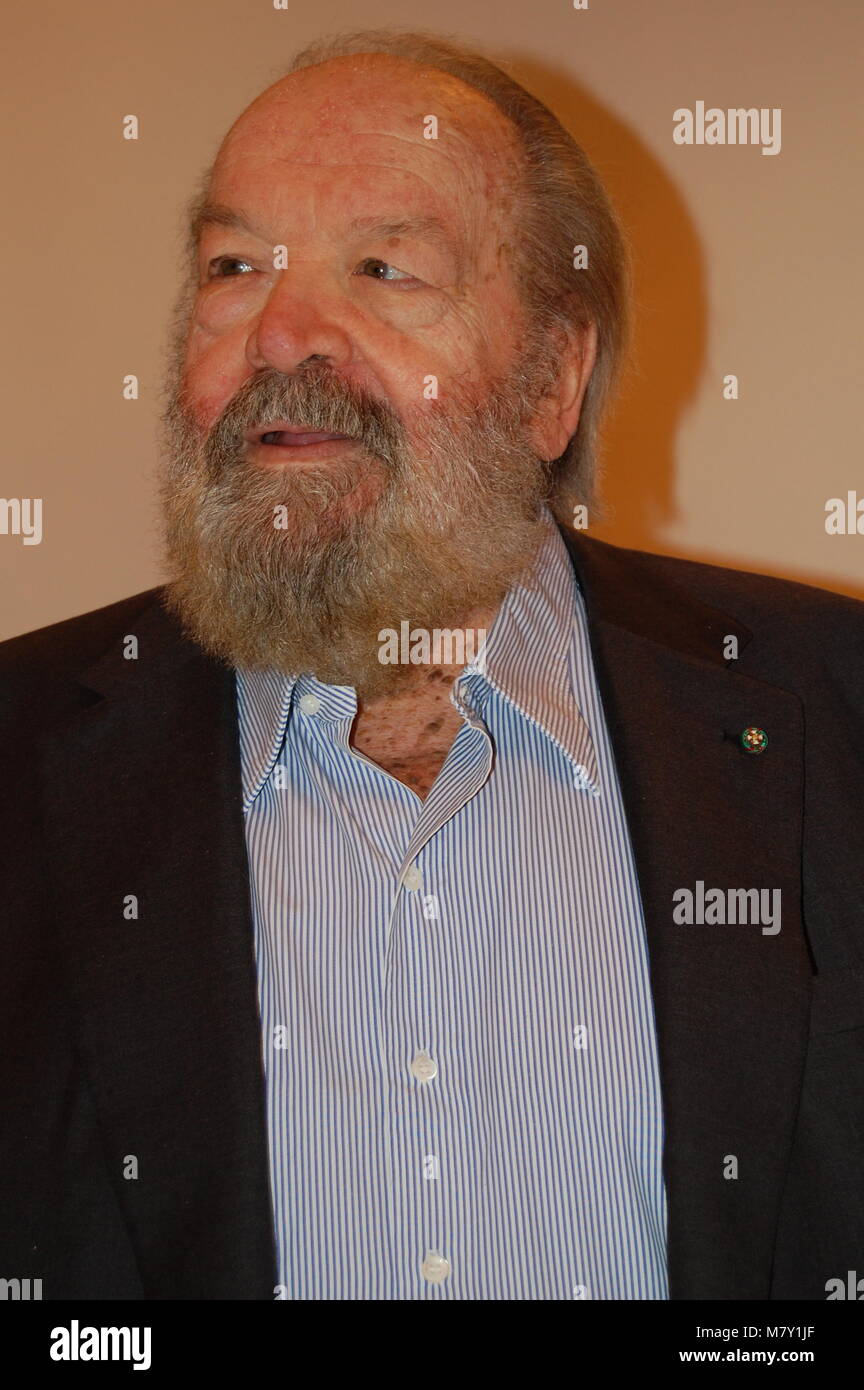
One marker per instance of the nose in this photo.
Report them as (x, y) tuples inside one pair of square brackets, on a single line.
[(297, 325)]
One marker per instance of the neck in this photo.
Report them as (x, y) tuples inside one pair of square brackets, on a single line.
[(421, 684)]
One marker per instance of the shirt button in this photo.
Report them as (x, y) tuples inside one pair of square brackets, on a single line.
[(310, 704), (423, 1067), (413, 878), (435, 1268)]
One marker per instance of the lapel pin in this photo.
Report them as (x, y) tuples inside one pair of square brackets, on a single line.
[(754, 740)]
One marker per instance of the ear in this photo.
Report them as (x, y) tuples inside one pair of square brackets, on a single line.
[(558, 411)]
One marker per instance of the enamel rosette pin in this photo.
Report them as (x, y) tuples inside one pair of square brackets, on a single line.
[(754, 740)]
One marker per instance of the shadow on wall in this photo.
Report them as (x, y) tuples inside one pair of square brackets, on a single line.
[(670, 328)]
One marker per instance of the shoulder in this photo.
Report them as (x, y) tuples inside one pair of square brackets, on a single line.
[(82, 638), (801, 634), (761, 597), (36, 665)]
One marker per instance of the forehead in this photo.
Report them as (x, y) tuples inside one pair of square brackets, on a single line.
[(358, 128)]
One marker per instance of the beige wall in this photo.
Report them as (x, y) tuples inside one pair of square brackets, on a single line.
[(746, 263)]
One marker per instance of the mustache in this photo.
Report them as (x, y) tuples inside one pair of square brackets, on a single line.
[(315, 397)]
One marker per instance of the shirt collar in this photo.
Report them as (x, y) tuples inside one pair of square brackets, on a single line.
[(528, 654), (526, 658)]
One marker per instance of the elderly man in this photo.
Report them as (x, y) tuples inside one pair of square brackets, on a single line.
[(344, 968)]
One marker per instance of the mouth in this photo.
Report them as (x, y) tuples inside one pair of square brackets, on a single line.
[(280, 440), (279, 434)]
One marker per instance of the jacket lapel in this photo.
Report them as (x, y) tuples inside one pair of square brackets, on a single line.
[(731, 1003), (141, 799)]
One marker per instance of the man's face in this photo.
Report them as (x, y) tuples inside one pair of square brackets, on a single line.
[(348, 431)]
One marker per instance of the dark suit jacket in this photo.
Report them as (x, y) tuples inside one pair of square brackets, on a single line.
[(140, 1039)]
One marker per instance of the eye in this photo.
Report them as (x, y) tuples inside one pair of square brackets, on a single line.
[(378, 269), (215, 266)]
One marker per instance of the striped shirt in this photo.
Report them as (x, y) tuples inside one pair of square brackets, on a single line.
[(459, 1050)]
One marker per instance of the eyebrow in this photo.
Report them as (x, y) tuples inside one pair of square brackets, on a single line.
[(424, 228), (217, 215)]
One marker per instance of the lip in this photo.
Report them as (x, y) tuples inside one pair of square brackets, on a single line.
[(306, 445), (299, 436), (274, 455)]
